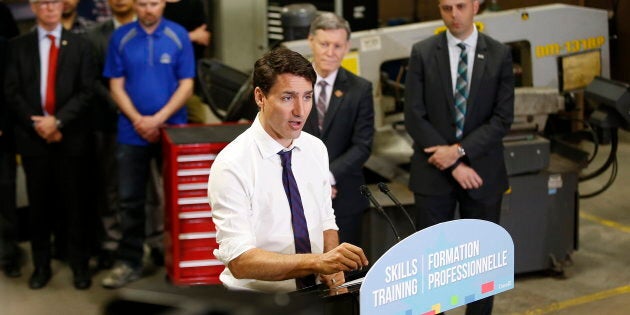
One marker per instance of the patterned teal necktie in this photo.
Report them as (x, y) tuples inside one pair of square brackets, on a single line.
[(461, 91)]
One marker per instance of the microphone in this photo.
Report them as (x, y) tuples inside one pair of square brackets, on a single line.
[(385, 189), (365, 191)]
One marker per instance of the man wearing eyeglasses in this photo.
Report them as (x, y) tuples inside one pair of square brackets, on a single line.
[(50, 73)]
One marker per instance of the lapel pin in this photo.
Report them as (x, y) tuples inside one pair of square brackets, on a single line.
[(480, 56), (338, 93), (64, 42)]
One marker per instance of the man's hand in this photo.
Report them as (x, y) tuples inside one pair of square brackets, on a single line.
[(148, 127), (55, 137), (45, 126), (443, 156), (200, 35), (333, 280), (333, 191), (467, 177), (344, 257)]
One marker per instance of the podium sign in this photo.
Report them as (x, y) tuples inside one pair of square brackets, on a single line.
[(440, 268)]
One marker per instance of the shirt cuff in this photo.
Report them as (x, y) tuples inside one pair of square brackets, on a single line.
[(231, 249), (333, 182)]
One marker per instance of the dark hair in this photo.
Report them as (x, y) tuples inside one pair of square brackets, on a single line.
[(279, 61), (329, 21)]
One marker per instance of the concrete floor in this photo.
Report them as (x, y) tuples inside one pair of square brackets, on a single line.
[(598, 282)]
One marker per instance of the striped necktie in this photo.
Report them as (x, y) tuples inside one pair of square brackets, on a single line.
[(298, 220), (461, 91), (321, 104)]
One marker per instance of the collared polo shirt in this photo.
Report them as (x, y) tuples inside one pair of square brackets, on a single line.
[(152, 65)]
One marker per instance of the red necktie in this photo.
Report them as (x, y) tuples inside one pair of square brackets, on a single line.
[(52, 76)]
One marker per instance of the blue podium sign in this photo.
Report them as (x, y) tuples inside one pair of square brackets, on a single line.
[(440, 268)]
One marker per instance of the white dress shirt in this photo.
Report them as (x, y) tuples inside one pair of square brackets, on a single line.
[(44, 52), (454, 51), (250, 207)]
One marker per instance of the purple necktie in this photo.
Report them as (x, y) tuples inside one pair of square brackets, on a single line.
[(298, 221)]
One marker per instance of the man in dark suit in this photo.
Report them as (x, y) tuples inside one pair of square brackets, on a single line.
[(457, 120), (49, 100), (343, 118)]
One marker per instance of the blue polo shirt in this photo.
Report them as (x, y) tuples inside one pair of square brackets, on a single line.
[(152, 65)]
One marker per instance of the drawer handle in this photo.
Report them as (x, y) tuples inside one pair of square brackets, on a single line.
[(200, 263), (195, 215), (196, 236), (196, 157), (192, 201), (194, 172), (194, 186)]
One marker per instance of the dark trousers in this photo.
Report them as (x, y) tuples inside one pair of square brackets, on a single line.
[(134, 164), (106, 190), (431, 210), (9, 250), (57, 182)]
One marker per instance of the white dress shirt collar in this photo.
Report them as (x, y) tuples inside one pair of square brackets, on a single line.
[(267, 145), (42, 33), (470, 41), (330, 79)]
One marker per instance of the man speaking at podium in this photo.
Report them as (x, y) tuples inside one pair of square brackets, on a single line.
[(270, 192)]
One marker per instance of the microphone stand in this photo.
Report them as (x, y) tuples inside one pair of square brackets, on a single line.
[(385, 189), (365, 191)]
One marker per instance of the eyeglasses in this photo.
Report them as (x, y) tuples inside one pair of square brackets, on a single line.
[(47, 3)]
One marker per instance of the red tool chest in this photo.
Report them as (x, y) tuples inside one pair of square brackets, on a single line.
[(190, 235)]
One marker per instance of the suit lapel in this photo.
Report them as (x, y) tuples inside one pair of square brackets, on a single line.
[(338, 92), (63, 51), (444, 67), (478, 71)]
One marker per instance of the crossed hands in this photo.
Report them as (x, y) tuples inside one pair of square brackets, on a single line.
[(46, 127), (444, 156), (148, 127)]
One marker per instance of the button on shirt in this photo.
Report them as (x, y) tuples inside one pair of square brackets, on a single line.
[(454, 52), (250, 207)]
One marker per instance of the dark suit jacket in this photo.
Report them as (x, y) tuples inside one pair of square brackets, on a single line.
[(6, 139), (75, 76), (105, 110), (430, 112), (347, 132)]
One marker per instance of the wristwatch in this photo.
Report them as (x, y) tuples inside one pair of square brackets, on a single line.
[(460, 150)]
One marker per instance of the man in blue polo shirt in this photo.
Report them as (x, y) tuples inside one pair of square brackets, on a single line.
[(150, 64)]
